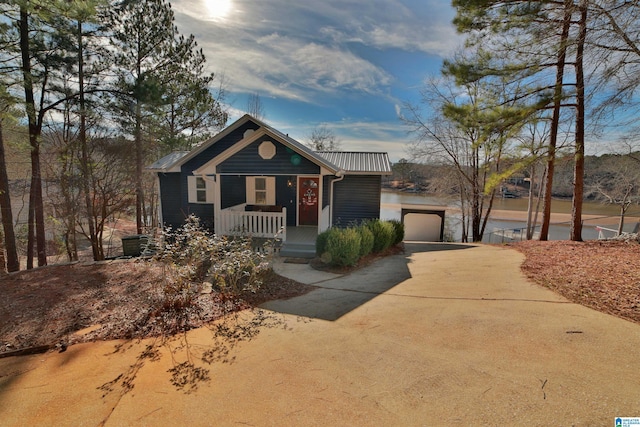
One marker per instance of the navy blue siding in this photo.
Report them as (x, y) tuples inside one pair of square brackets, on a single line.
[(171, 197), (326, 193), (248, 161), (202, 211), (233, 191), (356, 198), (217, 148), (175, 205), (286, 197)]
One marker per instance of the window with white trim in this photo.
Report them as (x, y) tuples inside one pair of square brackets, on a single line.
[(200, 190), (261, 190)]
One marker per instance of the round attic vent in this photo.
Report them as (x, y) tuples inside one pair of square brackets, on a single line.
[(267, 150), (247, 133)]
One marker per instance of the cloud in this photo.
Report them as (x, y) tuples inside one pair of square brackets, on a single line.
[(292, 50), (331, 57), (403, 37), (319, 67), (285, 66), (420, 26)]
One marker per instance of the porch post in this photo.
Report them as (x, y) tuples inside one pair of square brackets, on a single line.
[(216, 203), (320, 194)]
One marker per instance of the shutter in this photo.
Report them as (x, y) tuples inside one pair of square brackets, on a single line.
[(192, 189), (271, 190), (210, 190), (251, 190)]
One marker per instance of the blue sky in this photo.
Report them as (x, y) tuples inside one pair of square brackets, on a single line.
[(347, 64)]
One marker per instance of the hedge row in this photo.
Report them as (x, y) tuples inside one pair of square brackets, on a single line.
[(345, 246)]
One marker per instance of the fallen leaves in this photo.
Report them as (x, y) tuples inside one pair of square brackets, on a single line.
[(603, 275), (107, 300)]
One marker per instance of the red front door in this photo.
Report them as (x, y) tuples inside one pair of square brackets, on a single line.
[(308, 201)]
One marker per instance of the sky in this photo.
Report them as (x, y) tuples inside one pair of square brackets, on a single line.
[(349, 65)]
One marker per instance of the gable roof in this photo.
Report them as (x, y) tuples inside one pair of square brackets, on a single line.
[(278, 136), (334, 161)]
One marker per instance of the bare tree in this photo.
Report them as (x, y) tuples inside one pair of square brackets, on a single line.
[(64, 184), (255, 107), (112, 189), (532, 154), (323, 139), (458, 133), (617, 182)]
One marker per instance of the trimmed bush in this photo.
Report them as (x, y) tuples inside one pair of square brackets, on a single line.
[(343, 246), (383, 234), (366, 240), (398, 232)]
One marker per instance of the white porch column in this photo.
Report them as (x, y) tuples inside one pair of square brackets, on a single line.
[(216, 203)]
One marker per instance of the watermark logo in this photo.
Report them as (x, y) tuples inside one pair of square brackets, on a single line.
[(627, 422)]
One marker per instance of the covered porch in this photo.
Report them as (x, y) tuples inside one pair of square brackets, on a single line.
[(268, 223), (244, 220)]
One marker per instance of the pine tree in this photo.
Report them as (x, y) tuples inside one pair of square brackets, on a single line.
[(157, 72)]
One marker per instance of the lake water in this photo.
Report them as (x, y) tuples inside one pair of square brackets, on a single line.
[(391, 205)]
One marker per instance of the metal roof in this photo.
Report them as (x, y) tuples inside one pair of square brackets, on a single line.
[(167, 161), (359, 162)]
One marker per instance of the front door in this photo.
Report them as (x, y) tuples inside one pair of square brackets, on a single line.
[(308, 201)]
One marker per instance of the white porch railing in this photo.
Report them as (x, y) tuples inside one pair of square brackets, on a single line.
[(255, 224)]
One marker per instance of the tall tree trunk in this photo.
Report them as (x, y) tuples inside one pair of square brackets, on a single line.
[(623, 210), (36, 207), (476, 203), (13, 262), (139, 160), (578, 171), (555, 121), (532, 178)]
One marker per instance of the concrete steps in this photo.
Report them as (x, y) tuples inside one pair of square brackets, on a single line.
[(298, 250)]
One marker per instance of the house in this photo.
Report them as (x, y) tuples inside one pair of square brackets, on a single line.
[(251, 178)]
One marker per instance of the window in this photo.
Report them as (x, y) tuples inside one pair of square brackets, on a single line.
[(200, 189), (267, 150), (261, 190)]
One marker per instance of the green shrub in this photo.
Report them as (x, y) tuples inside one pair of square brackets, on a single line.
[(398, 232), (383, 234), (321, 242), (343, 246), (366, 240)]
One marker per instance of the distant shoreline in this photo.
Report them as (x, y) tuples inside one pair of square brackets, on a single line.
[(556, 218)]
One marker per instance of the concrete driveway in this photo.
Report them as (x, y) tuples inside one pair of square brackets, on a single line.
[(441, 335)]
